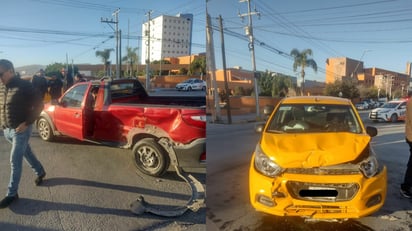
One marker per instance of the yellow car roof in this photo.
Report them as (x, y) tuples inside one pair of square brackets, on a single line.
[(315, 100)]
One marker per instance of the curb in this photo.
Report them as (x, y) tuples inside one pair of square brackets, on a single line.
[(235, 121)]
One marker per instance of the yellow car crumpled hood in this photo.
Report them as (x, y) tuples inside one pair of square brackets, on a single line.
[(313, 150)]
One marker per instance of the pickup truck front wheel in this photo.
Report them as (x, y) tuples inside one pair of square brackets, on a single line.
[(45, 130), (150, 158)]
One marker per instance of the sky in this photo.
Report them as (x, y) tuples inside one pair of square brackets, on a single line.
[(43, 32), (377, 32)]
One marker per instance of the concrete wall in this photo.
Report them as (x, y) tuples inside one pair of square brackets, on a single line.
[(242, 104)]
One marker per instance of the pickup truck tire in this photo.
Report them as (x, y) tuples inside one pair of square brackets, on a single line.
[(45, 130), (394, 118), (150, 158)]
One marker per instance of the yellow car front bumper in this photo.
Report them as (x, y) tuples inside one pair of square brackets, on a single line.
[(317, 196)]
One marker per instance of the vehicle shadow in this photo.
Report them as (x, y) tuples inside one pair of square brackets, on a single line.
[(33, 207), (65, 140), (296, 223), (12, 226), (39, 206)]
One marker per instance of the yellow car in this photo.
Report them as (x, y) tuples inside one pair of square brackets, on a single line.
[(314, 160)]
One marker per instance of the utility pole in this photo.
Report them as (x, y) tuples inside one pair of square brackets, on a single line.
[(117, 35), (128, 36), (227, 93), (210, 56), (119, 56), (249, 33), (148, 51)]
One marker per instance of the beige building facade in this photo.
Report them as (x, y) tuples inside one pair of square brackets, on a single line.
[(386, 81)]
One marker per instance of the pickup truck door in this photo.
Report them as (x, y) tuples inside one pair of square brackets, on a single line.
[(69, 115)]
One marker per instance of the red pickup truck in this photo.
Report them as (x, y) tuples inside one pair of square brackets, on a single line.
[(160, 130)]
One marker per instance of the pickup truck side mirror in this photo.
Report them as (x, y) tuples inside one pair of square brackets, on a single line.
[(372, 131), (62, 103)]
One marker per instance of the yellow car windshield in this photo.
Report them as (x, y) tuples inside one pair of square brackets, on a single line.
[(302, 118)]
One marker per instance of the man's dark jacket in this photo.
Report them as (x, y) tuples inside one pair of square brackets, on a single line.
[(19, 103), (40, 84)]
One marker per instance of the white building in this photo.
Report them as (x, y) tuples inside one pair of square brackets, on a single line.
[(170, 36)]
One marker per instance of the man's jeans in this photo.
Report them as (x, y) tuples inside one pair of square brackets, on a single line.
[(407, 182), (20, 148)]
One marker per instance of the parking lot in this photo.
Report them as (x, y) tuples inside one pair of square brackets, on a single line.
[(90, 187)]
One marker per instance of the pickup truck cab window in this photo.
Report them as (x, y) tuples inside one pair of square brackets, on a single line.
[(74, 97)]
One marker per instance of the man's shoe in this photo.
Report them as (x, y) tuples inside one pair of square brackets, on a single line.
[(39, 179), (7, 201), (406, 192)]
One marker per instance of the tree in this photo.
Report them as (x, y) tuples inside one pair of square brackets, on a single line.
[(273, 84), (105, 56), (302, 60), (265, 82), (348, 88), (130, 58), (198, 65), (56, 67), (368, 92), (160, 62), (183, 71)]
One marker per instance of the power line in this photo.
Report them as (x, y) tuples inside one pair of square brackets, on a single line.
[(351, 6)]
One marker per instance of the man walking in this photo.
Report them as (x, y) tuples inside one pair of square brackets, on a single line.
[(20, 105), (39, 83), (406, 186)]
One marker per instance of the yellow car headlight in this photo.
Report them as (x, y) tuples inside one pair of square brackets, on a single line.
[(369, 167), (265, 165)]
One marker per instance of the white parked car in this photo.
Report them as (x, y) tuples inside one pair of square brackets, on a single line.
[(392, 111), (362, 105), (191, 84)]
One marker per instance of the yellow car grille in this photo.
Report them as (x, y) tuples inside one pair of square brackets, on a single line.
[(322, 192)]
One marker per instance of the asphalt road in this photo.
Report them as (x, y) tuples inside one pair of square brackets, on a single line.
[(90, 187)]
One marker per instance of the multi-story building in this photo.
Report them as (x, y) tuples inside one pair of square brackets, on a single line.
[(384, 80), (387, 81), (170, 36), (341, 68)]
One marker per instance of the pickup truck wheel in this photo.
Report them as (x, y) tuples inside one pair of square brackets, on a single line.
[(45, 130), (150, 158), (394, 118)]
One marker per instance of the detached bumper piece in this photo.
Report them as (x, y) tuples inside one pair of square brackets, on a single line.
[(197, 200)]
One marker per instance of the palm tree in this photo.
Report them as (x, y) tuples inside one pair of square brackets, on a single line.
[(302, 60), (105, 56), (130, 58)]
